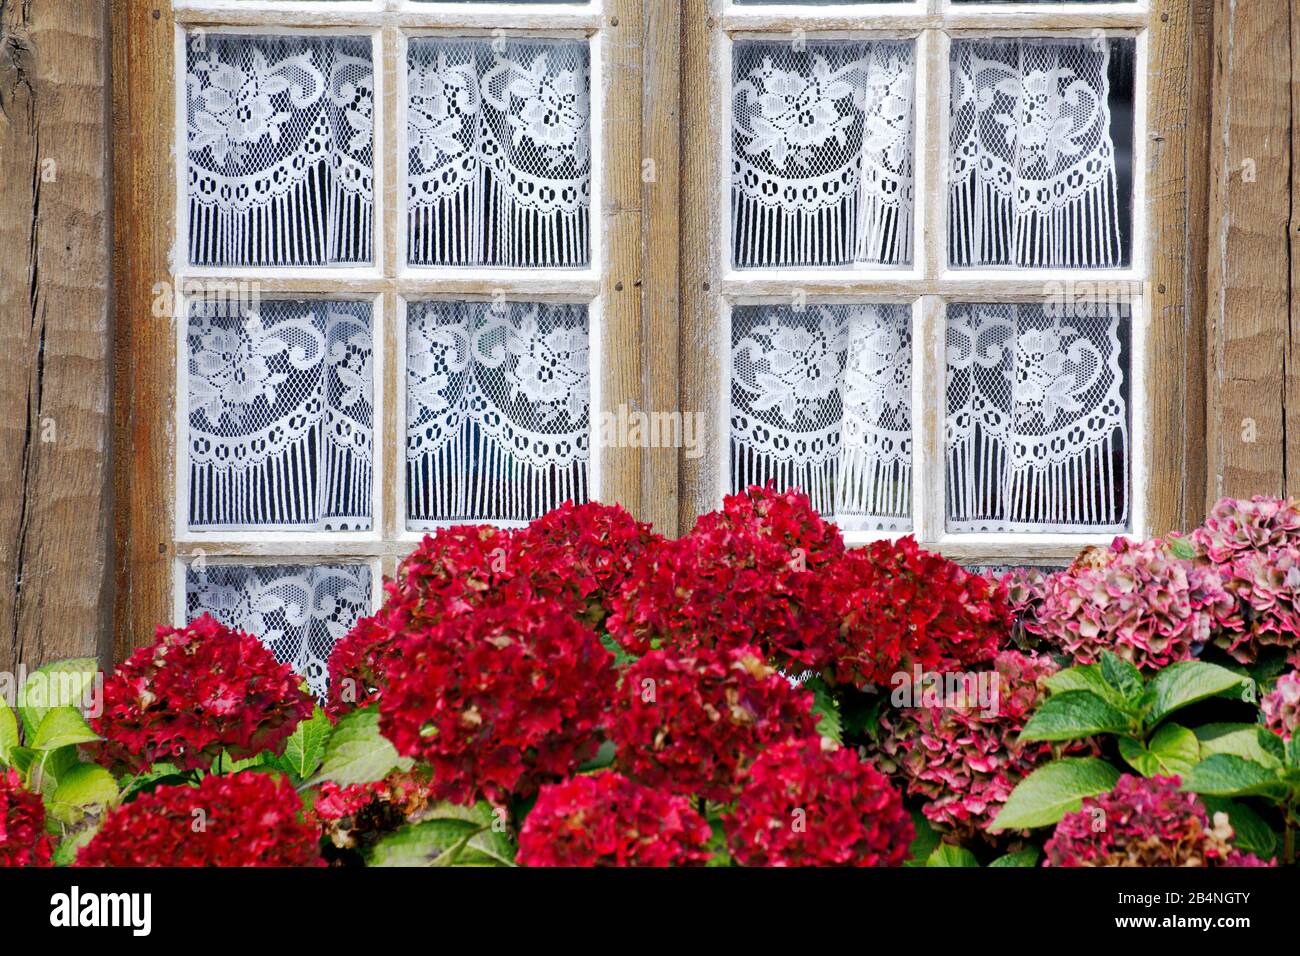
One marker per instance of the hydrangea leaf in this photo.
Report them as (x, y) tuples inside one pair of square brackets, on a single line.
[(1184, 683), (1250, 831), (1226, 775), (1293, 752), (1085, 677), (1122, 676), (83, 786), (358, 753), (1171, 752), (428, 843), (945, 854), (1240, 740), (489, 847), (62, 727), (1181, 547), (1054, 790), (924, 843), (1075, 714), (58, 684), (1026, 857), (8, 733), (305, 748), (826, 710)]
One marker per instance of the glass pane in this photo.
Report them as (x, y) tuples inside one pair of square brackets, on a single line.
[(280, 415), (1041, 166), (822, 153), (1037, 433), (499, 152), (821, 398), (299, 611), (498, 425), (281, 152)]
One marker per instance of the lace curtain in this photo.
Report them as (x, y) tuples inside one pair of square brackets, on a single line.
[(499, 152), (281, 152), (280, 415), (1033, 165), (299, 612), (822, 399), (497, 410), (1037, 433), (822, 153)]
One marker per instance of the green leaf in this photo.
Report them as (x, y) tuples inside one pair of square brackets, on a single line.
[(305, 748), (1075, 714), (621, 657), (924, 843), (945, 854), (82, 786), (1054, 790), (430, 843), (1184, 683), (1085, 677), (1181, 547), (1225, 775), (1250, 831), (488, 848), (62, 727), (51, 766), (358, 753), (1240, 740), (1026, 857), (604, 757), (1122, 676), (59, 684), (1172, 751), (1272, 744), (65, 854), (9, 738), (1293, 752), (827, 711)]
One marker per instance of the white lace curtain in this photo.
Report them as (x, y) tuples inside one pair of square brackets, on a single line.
[(1037, 433), (1032, 172), (281, 152), (822, 153), (499, 152), (497, 410), (298, 611), (280, 415), (822, 399)]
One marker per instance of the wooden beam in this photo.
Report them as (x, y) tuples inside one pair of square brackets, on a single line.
[(55, 371)]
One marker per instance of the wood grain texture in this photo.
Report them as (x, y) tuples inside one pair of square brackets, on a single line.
[(1249, 269), (55, 372), (144, 342)]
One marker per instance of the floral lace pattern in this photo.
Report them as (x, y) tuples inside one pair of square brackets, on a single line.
[(821, 398), (280, 134), (1037, 427), (1033, 179), (822, 153), (299, 612), (499, 164), (497, 410), (280, 414)]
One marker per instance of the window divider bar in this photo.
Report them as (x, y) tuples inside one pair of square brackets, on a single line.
[(1003, 23), (928, 401)]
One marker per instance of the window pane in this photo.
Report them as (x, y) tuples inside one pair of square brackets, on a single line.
[(280, 414), (281, 152), (499, 152), (497, 410), (298, 611), (822, 153), (821, 398), (1037, 435), (1042, 147)]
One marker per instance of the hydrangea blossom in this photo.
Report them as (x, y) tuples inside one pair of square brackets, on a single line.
[(358, 815), (693, 719), (194, 692), (244, 819), (803, 805), (605, 819), (1144, 821), (1281, 705), (23, 841)]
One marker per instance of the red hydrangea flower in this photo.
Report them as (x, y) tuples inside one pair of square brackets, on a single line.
[(500, 701), (805, 806), (605, 819), (1144, 822), (23, 840), (196, 691), (589, 549), (449, 574), (358, 815), (900, 607), (750, 574), (962, 757), (1254, 546), (245, 819), (692, 719), (1281, 705), (1137, 599)]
